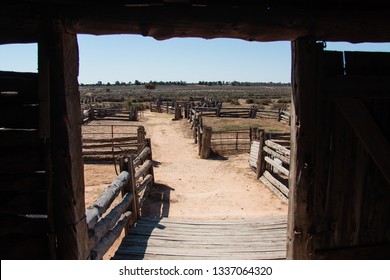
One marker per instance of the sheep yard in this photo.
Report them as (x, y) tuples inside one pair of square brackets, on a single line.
[(219, 188)]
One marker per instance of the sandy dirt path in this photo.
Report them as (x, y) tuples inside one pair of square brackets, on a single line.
[(189, 187), (193, 188)]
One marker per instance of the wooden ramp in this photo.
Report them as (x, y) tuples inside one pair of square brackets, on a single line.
[(169, 238)]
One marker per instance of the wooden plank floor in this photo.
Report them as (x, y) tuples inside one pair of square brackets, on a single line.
[(170, 238)]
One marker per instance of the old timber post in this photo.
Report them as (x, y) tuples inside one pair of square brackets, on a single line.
[(303, 145), (59, 50)]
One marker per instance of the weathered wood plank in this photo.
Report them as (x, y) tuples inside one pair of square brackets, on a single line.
[(19, 116), (275, 190), (277, 166), (278, 148), (168, 238), (271, 152), (282, 188), (18, 88), (369, 133)]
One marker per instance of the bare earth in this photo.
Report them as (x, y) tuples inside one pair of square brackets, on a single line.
[(189, 187)]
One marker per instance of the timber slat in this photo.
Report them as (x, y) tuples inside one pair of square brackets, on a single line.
[(170, 238)]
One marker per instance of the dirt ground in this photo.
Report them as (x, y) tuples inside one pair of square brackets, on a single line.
[(188, 187)]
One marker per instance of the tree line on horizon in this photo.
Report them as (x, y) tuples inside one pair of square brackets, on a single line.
[(150, 84)]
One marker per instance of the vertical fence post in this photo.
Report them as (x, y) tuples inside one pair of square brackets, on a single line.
[(260, 164), (148, 143), (131, 187), (140, 137), (206, 142)]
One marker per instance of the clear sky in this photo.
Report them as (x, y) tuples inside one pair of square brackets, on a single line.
[(127, 58)]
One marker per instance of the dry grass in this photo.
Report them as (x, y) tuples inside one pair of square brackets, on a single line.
[(225, 124)]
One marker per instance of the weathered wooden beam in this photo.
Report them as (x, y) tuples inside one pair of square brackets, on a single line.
[(143, 169), (106, 242), (271, 152), (303, 145), (96, 210), (275, 190), (108, 221), (252, 21), (142, 156), (281, 187), (68, 194), (278, 148), (356, 86), (146, 181), (206, 142), (368, 132), (277, 166)]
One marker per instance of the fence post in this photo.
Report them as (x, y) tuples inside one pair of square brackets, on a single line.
[(131, 187), (206, 142), (140, 137), (148, 143), (260, 164)]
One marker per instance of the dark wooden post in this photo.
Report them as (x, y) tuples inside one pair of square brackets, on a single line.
[(303, 146), (151, 170), (140, 137), (131, 187), (67, 180), (206, 142), (260, 164), (199, 139)]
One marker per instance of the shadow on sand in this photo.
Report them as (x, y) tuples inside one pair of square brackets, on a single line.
[(155, 207)]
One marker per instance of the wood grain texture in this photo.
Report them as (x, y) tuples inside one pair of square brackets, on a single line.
[(170, 238)]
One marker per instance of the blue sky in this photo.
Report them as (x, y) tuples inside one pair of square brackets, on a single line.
[(127, 58)]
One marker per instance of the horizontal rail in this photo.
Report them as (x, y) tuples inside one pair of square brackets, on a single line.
[(108, 221), (278, 148), (96, 210), (277, 166), (109, 238)]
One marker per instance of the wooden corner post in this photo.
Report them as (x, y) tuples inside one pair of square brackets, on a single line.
[(67, 176), (303, 146)]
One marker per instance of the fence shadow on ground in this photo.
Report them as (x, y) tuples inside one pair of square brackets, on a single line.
[(155, 207)]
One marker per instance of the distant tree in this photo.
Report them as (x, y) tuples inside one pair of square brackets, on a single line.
[(108, 84), (137, 83), (117, 83), (150, 85), (99, 83)]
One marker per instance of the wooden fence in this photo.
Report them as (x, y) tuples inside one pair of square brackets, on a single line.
[(113, 114), (240, 112), (271, 162), (227, 142), (134, 183), (218, 142), (106, 143), (169, 107)]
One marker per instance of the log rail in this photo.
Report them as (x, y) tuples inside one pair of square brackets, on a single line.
[(271, 161), (134, 183)]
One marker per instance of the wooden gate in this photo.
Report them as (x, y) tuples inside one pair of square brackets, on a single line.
[(26, 231), (339, 174)]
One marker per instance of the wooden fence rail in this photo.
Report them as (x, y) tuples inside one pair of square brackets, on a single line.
[(134, 182), (271, 162), (120, 114), (106, 143)]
